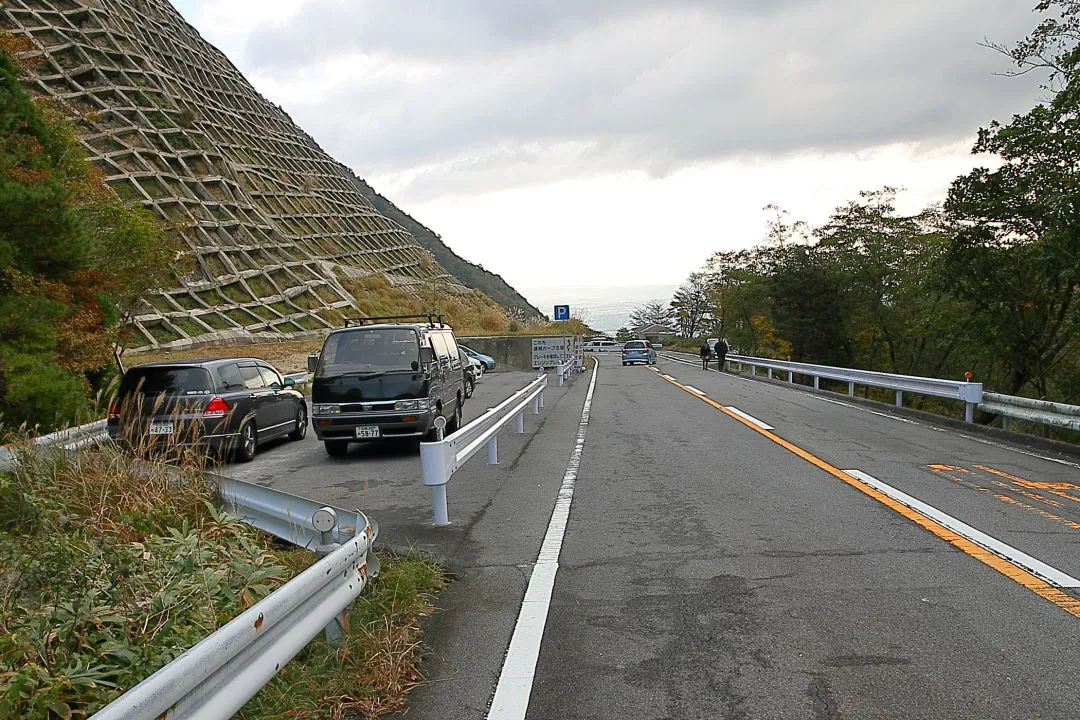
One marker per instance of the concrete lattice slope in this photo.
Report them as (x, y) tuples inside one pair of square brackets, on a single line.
[(272, 221)]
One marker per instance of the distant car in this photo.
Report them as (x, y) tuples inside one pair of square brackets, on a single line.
[(635, 351), (603, 346), (224, 406), (486, 360), (472, 369)]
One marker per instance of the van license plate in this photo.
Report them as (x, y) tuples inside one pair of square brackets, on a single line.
[(161, 429), (367, 431)]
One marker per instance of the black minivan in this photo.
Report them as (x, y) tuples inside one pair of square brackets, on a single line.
[(380, 378), (228, 406)]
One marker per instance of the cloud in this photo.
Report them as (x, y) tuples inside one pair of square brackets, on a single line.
[(469, 96)]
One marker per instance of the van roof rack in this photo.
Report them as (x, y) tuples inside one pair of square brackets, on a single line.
[(432, 319)]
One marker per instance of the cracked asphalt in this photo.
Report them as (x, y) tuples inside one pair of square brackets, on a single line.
[(708, 572)]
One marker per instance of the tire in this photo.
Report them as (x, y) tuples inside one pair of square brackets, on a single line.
[(248, 443), (336, 448), (301, 423), (455, 422), (470, 386), (432, 435), (624, 364)]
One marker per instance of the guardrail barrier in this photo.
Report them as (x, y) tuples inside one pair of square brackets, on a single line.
[(1022, 408), (970, 393), (440, 459), (222, 672)]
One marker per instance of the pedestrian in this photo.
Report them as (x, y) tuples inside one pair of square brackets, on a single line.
[(705, 352), (721, 353)]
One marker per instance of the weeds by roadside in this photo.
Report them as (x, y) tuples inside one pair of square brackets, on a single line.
[(108, 570)]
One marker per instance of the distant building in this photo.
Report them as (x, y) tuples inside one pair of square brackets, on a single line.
[(654, 333)]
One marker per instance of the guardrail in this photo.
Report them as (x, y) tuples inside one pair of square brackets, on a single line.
[(1022, 408), (970, 393), (222, 672), (563, 371), (283, 515), (440, 459)]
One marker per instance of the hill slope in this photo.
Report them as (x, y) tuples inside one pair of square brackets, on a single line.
[(276, 227), (469, 274)]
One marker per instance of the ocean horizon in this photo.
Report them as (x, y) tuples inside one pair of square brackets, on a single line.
[(603, 308)]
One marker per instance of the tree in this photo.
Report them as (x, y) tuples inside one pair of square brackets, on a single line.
[(690, 304), (654, 312), (73, 260), (1016, 257), (623, 334)]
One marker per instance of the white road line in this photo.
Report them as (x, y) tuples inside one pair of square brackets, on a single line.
[(693, 389), (1007, 552), (749, 418), (897, 418), (511, 700)]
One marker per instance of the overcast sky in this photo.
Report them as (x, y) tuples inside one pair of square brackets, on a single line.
[(617, 142)]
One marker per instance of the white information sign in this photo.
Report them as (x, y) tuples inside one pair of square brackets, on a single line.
[(551, 351)]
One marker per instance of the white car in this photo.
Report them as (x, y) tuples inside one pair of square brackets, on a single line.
[(603, 346)]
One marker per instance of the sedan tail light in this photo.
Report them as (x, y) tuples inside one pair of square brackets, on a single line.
[(216, 408), (114, 410)]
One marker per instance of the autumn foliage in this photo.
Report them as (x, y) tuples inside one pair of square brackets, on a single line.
[(73, 260)]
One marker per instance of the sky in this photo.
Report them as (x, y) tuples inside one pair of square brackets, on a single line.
[(619, 143)]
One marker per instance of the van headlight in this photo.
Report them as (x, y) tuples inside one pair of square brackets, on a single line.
[(411, 405), (325, 409)]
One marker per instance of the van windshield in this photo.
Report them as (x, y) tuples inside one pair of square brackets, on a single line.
[(369, 350)]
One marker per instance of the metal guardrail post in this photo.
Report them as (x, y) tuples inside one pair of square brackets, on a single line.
[(899, 398), (324, 521), (441, 458)]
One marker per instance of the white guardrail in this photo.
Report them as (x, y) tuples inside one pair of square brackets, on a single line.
[(440, 459), (222, 672), (563, 371), (969, 392), (1022, 408)]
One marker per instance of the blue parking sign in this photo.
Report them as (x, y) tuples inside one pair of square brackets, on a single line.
[(562, 312)]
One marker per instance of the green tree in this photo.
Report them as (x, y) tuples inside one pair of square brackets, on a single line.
[(73, 261), (690, 304), (1016, 258), (623, 334), (654, 312)]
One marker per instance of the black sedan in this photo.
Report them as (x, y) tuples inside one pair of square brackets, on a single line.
[(226, 406)]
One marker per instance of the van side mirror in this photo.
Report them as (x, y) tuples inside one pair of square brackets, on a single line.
[(312, 362), (427, 356), (289, 382)]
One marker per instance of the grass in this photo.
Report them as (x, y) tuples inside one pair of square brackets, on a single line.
[(108, 570)]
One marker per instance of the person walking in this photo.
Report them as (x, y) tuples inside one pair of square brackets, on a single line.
[(705, 352), (721, 353)]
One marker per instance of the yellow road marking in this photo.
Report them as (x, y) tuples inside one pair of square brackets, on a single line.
[(1040, 587)]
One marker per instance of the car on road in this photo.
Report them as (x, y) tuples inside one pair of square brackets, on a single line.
[(635, 351), (486, 360), (226, 406), (381, 378), (472, 369)]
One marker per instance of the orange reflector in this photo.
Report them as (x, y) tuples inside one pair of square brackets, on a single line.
[(408, 418)]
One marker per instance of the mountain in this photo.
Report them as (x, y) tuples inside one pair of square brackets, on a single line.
[(278, 230), (468, 273)]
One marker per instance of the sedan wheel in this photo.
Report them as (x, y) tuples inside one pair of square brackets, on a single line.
[(470, 386), (301, 423), (248, 443)]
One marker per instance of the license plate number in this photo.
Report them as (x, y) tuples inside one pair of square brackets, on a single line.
[(161, 429), (367, 431)]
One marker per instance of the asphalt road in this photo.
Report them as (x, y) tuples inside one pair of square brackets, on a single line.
[(712, 568)]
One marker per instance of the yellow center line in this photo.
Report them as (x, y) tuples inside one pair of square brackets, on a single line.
[(1038, 586)]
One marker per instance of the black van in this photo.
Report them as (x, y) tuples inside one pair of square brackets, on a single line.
[(380, 378)]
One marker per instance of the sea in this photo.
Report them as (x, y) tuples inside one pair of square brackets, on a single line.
[(603, 308)]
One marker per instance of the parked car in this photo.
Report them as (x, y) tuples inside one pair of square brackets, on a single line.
[(635, 351), (386, 379), (603, 346), (472, 369), (225, 406), (486, 360)]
